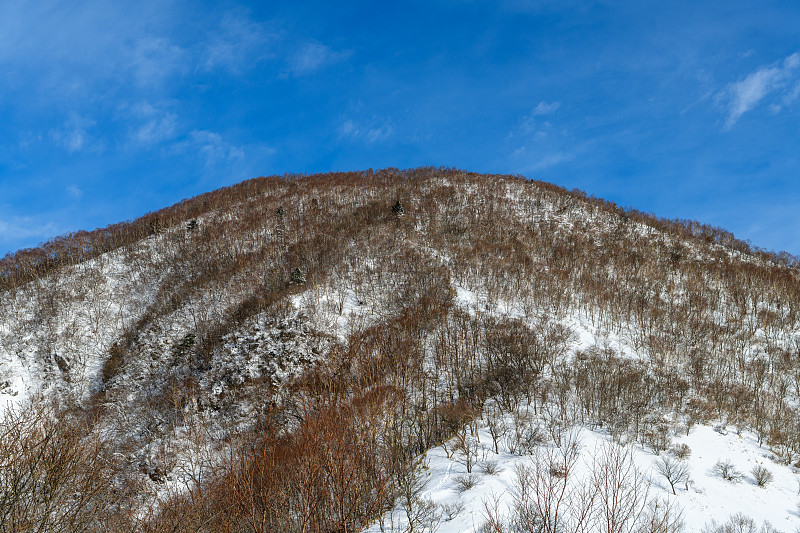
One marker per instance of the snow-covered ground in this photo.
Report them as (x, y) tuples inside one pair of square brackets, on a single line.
[(63, 343), (709, 497), (706, 498)]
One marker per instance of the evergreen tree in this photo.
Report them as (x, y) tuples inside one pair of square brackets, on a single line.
[(297, 276)]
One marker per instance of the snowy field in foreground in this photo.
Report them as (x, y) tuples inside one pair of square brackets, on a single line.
[(709, 496)]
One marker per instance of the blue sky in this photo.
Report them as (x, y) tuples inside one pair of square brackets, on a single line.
[(110, 109)]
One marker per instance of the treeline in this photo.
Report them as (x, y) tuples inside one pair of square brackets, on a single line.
[(25, 265), (681, 228)]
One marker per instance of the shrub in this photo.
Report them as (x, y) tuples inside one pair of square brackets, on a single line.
[(452, 510), (681, 451), (761, 475), (490, 467), (727, 471), (55, 474), (739, 523), (655, 433), (661, 517), (466, 449), (525, 436), (466, 482)]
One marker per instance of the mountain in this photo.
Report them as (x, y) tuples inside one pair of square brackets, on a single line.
[(416, 350)]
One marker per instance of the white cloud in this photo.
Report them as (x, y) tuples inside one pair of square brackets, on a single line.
[(543, 6), (74, 191), (14, 229), (73, 135), (152, 124), (87, 52), (371, 131), (73, 140), (155, 130), (212, 147), (551, 160), (155, 59), (237, 43), (532, 125), (742, 96), (311, 57), (81, 50), (540, 143), (544, 108), (792, 95), (538, 160)]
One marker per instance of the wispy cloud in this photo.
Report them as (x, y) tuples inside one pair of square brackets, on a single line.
[(156, 59), (370, 131), (311, 57), (542, 6), (152, 125), (744, 95), (74, 136), (541, 144), (791, 95), (16, 229), (83, 51), (534, 162), (533, 124), (545, 108), (74, 191), (237, 43), (211, 147)]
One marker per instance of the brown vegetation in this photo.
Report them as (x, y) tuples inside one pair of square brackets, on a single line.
[(332, 444)]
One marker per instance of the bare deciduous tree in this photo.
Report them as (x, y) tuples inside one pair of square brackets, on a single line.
[(673, 471), (622, 490)]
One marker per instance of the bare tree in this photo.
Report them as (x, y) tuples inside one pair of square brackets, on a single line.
[(621, 489), (466, 450), (420, 512), (661, 517), (549, 498), (673, 471), (496, 424), (55, 476)]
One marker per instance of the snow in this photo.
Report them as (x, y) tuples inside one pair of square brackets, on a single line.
[(712, 497), (87, 324), (335, 309), (709, 496), (84, 323)]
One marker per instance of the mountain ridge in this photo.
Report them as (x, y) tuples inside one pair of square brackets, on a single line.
[(84, 244)]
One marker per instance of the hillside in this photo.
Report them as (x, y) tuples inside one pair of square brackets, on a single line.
[(377, 350)]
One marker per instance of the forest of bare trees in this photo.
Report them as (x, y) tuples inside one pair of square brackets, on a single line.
[(339, 411)]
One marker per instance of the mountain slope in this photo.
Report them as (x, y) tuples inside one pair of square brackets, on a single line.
[(288, 348)]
